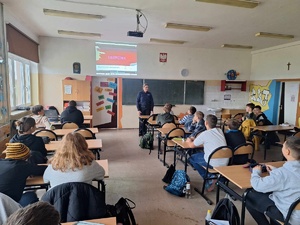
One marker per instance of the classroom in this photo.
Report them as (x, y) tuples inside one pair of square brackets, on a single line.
[(183, 66)]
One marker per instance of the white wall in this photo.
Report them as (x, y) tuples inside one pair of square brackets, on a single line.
[(291, 101)]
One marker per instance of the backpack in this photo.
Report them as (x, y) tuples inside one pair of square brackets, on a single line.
[(177, 185), (169, 174), (226, 210), (122, 210), (146, 142)]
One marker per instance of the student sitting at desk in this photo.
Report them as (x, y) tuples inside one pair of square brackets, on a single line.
[(261, 118), (198, 124), (165, 117), (26, 127), (72, 114), (41, 121), (234, 137), (188, 119), (249, 112), (276, 192), (73, 162), (210, 139), (14, 170)]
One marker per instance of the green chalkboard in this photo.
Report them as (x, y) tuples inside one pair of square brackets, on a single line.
[(130, 89), (172, 91), (194, 92)]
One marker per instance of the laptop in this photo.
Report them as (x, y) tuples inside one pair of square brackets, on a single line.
[(52, 115)]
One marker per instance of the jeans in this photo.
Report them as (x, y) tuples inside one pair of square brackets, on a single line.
[(197, 161), (28, 198)]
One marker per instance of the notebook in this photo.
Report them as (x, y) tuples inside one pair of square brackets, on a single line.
[(52, 115)]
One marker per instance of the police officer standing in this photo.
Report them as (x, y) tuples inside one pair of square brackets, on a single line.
[(145, 105)]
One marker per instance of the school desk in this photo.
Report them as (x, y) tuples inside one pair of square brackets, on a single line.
[(105, 221), (239, 176), (92, 144), (62, 132), (270, 128)]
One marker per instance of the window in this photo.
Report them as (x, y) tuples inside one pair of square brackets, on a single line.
[(19, 81)]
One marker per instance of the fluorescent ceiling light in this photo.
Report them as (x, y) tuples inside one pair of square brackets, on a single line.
[(116, 44), (75, 33), (238, 3), (236, 46), (51, 12), (187, 27), (272, 35), (164, 41)]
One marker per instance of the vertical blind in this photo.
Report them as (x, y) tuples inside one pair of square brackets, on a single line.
[(21, 45)]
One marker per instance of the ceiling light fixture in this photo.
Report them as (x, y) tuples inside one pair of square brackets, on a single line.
[(238, 3), (51, 12), (164, 41), (187, 27), (236, 46), (272, 35), (75, 33)]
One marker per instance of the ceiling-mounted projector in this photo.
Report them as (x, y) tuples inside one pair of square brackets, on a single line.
[(137, 32)]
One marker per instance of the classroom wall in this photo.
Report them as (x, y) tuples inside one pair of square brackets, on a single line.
[(57, 56)]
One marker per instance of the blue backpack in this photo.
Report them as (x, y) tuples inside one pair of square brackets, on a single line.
[(177, 185)]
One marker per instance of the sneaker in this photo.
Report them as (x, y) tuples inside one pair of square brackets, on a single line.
[(212, 185)]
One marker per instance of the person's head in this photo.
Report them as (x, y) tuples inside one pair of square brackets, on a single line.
[(257, 110), (25, 125), (167, 108), (198, 116), (233, 124), (17, 151), (36, 213), (145, 87), (249, 107), (38, 110), (73, 153), (192, 110), (211, 121), (72, 103), (291, 148)]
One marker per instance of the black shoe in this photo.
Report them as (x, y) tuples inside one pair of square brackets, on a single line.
[(140, 135)]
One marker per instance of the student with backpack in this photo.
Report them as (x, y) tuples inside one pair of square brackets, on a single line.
[(276, 192)]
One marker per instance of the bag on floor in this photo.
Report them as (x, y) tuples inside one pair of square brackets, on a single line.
[(169, 174), (146, 141), (226, 210), (123, 211), (177, 185)]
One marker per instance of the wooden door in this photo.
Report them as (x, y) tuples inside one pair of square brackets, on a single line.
[(83, 90), (69, 89)]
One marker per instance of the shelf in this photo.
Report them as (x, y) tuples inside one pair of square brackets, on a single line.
[(237, 85)]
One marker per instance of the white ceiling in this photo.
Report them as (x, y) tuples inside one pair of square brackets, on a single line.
[(231, 25)]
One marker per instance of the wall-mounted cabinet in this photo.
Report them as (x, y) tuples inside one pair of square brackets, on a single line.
[(227, 85)]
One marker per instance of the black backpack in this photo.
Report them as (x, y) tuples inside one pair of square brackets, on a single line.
[(146, 141), (226, 210), (122, 210), (169, 174)]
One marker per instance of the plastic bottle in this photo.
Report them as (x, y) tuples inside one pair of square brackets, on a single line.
[(208, 216), (188, 190)]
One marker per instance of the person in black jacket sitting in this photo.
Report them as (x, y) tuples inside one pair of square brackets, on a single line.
[(165, 117), (14, 170), (72, 114), (26, 127)]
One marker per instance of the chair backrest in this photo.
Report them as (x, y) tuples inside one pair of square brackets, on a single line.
[(169, 125), (238, 116), (69, 125), (152, 118), (76, 201), (246, 148), (46, 133), (221, 152), (88, 134), (54, 108), (297, 134), (175, 132), (225, 116)]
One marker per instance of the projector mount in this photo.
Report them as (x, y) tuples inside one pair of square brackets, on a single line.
[(137, 32)]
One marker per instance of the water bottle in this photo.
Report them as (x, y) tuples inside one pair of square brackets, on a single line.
[(188, 190), (208, 217)]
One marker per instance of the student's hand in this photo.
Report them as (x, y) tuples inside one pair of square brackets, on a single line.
[(258, 167), (139, 113), (151, 112), (188, 140), (270, 168)]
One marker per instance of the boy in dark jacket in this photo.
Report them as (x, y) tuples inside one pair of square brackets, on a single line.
[(72, 114), (165, 117)]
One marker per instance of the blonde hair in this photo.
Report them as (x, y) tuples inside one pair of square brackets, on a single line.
[(72, 154)]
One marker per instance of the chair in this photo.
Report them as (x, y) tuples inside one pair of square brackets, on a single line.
[(151, 123), (218, 153), (69, 125), (294, 206), (88, 134), (225, 116), (297, 134), (244, 149), (169, 125), (46, 133), (76, 201), (53, 108)]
